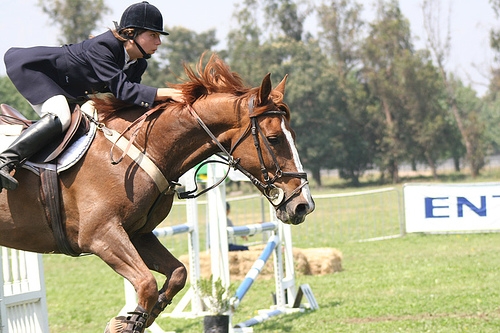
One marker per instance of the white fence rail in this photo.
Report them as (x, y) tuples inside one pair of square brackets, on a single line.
[(23, 306)]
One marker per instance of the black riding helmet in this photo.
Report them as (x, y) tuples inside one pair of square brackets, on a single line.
[(142, 15)]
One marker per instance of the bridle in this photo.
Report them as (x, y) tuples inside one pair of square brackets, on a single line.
[(273, 193)]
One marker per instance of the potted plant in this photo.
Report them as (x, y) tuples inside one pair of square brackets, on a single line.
[(216, 299)]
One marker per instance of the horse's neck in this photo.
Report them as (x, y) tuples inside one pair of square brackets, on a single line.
[(189, 142)]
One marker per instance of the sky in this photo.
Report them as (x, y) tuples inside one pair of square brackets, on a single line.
[(23, 24)]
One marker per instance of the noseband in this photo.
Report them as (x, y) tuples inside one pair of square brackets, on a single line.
[(273, 193)]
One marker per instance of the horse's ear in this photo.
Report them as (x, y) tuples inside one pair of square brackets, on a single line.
[(281, 86), (265, 88)]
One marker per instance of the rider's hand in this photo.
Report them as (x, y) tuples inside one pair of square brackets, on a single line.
[(169, 93)]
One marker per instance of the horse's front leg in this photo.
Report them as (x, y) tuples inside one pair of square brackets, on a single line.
[(114, 247), (159, 259)]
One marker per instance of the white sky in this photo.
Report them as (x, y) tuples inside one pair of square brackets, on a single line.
[(22, 23)]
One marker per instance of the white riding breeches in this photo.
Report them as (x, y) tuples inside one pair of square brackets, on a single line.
[(58, 106)]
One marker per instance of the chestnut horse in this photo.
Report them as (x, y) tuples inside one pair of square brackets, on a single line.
[(111, 209)]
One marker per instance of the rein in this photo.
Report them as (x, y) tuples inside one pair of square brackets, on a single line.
[(136, 126), (129, 149), (273, 193)]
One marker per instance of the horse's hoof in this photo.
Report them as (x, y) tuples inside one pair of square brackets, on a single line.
[(123, 325), (115, 325), (134, 323)]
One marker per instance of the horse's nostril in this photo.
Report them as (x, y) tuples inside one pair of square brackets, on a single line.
[(301, 209)]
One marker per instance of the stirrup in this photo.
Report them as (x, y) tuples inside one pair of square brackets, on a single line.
[(6, 180)]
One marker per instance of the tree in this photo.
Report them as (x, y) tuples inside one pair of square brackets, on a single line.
[(491, 119), (311, 92), (475, 122), (440, 48), (244, 52), (494, 88), (9, 95), (76, 18), (495, 34), (341, 31), (427, 124), (182, 46), (340, 37), (386, 52), (314, 98), (285, 14)]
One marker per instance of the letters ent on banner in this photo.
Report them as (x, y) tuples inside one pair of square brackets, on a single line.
[(452, 207)]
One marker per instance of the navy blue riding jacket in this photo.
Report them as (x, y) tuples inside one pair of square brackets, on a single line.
[(76, 70)]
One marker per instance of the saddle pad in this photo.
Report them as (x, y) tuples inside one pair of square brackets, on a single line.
[(71, 155)]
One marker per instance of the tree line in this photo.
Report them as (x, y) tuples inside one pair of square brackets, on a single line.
[(362, 96)]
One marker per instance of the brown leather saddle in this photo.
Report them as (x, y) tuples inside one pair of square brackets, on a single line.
[(78, 127)]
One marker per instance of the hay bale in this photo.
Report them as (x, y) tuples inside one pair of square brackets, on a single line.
[(313, 261), (300, 262), (323, 260), (240, 262)]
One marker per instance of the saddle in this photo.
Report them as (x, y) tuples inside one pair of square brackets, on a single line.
[(79, 126), (46, 164)]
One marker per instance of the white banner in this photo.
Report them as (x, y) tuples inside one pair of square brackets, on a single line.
[(452, 207)]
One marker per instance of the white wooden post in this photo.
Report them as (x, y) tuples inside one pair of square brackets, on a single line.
[(23, 304), (217, 221)]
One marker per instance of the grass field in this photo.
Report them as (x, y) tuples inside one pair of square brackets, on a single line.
[(416, 283), (445, 283)]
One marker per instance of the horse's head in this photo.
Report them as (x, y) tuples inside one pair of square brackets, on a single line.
[(266, 153), (252, 126)]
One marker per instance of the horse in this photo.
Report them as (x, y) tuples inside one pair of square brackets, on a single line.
[(110, 206)]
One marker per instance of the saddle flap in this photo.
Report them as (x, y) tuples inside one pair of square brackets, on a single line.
[(79, 124)]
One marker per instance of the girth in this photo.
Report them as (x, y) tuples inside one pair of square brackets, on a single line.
[(50, 191)]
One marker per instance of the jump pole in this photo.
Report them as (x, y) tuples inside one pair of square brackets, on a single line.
[(217, 225), (279, 244), (255, 270), (194, 257)]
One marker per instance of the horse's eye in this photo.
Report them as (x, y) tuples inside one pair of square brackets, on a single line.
[(274, 140)]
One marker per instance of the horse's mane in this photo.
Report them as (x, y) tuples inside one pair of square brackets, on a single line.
[(215, 77)]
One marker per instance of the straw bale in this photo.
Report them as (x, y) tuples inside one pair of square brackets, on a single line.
[(313, 261), (323, 260)]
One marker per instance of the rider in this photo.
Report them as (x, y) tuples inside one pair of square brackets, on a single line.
[(50, 76)]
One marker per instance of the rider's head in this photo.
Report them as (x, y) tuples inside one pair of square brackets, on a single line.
[(140, 17)]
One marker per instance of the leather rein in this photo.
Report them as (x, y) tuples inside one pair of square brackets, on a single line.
[(273, 193)]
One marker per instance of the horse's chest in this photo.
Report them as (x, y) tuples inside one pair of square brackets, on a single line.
[(151, 218)]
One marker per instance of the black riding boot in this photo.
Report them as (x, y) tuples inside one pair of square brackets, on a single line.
[(28, 143)]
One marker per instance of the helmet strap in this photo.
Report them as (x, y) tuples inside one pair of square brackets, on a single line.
[(144, 54), (133, 38)]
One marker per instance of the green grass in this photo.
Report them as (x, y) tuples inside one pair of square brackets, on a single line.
[(418, 283), (439, 283)]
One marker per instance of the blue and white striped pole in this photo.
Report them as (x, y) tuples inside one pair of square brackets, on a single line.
[(251, 229), (260, 318), (272, 243), (174, 230)]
